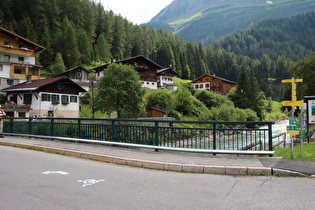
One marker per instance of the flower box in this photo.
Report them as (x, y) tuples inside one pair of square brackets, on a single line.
[(65, 103), (55, 102)]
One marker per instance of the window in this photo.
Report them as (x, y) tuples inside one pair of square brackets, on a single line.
[(50, 113), (1, 67), (201, 86), (19, 70), (60, 87), (33, 72), (73, 99), (21, 60), (45, 97), (21, 114), (55, 98), (196, 86), (27, 98), (9, 82), (64, 98), (6, 58)]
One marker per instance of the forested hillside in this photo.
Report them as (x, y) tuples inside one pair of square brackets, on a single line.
[(208, 20), (293, 37), (84, 33)]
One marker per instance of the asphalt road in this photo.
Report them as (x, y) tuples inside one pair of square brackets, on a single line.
[(37, 180)]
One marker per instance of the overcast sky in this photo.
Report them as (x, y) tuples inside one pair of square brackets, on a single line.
[(136, 11)]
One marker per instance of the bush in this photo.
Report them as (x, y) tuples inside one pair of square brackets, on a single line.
[(206, 97), (159, 99), (86, 98), (251, 115), (183, 101), (241, 114)]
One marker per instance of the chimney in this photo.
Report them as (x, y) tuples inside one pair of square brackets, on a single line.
[(28, 78)]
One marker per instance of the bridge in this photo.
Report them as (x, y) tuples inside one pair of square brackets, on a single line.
[(239, 138)]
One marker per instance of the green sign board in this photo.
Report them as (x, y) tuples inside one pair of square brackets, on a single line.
[(293, 129), (292, 122)]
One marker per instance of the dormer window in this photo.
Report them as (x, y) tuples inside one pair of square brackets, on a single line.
[(7, 44)]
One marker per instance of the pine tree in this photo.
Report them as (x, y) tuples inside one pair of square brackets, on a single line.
[(58, 66), (240, 98), (85, 47), (103, 49)]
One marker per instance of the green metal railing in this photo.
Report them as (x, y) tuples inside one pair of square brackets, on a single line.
[(165, 133)]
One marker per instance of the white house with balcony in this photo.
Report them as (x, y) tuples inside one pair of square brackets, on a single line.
[(17, 59), (52, 97)]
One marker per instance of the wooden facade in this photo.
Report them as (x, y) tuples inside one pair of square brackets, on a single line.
[(154, 112), (17, 59), (147, 70), (214, 84), (79, 75)]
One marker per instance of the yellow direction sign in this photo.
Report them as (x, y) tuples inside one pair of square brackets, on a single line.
[(292, 103), (291, 80)]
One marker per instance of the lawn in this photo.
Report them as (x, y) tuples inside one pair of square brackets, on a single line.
[(307, 154)]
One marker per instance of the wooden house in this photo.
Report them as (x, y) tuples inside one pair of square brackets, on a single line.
[(154, 112), (55, 97), (214, 84), (17, 59), (165, 77), (150, 72), (78, 75)]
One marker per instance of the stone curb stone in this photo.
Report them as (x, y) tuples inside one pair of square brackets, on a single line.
[(153, 165), (173, 167), (259, 171), (236, 170), (120, 161), (106, 159), (135, 163), (214, 170), (193, 168)]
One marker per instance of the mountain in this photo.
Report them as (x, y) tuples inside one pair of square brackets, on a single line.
[(292, 37), (207, 20)]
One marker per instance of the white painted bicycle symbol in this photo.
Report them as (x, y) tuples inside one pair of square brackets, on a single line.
[(88, 182)]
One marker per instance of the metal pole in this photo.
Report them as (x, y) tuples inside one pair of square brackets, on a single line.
[(292, 99), (301, 130), (92, 98)]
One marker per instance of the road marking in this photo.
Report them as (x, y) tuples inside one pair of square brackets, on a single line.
[(55, 172), (88, 182)]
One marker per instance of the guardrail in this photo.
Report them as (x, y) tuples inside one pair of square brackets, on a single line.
[(188, 135)]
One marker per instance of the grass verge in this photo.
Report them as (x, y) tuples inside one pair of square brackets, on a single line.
[(308, 152)]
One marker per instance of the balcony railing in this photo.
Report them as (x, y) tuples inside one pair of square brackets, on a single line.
[(17, 106)]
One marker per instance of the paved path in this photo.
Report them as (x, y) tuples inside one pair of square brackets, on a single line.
[(166, 160)]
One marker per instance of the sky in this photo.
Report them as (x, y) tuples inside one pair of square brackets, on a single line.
[(136, 11)]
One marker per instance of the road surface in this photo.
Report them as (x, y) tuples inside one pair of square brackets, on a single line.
[(37, 180)]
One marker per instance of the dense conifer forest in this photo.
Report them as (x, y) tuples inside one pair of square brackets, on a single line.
[(82, 32)]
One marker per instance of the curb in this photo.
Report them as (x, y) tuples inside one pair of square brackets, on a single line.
[(176, 167)]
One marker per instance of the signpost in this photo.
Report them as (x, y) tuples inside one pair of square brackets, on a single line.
[(293, 129)]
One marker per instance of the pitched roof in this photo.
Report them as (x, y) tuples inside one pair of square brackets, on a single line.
[(213, 76), (34, 85), (100, 68), (166, 69), (37, 47), (69, 70)]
